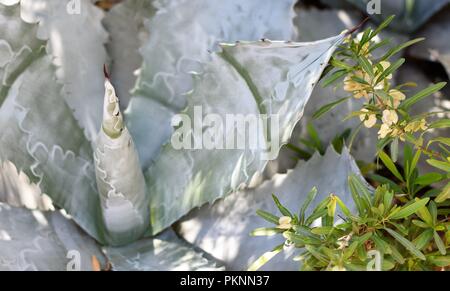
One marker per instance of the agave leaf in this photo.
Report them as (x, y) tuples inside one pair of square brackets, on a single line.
[(34, 240), (17, 190), (164, 253), (120, 181), (435, 47), (313, 23), (71, 35), (125, 25), (238, 80), (49, 147), (222, 229), (176, 47), (48, 241), (410, 15)]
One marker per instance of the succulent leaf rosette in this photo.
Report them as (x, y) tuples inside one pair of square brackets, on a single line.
[(91, 174)]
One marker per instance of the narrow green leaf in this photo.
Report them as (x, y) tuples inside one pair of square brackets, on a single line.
[(362, 189), (420, 224), (387, 199), (335, 76), (261, 261), (309, 198), (268, 216), (282, 209), (442, 140), (394, 150), (444, 166), (366, 65), (414, 162), (444, 195), (422, 240), (316, 254), (428, 179), (441, 123), (339, 64), (425, 215), (382, 26), (390, 70), (432, 208), (355, 195), (314, 135), (323, 230), (439, 243), (381, 244), (350, 250), (266, 231), (331, 207), (324, 109), (397, 255), (406, 243), (343, 207), (315, 215), (401, 47), (390, 165), (406, 211), (422, 94), (440, 261)]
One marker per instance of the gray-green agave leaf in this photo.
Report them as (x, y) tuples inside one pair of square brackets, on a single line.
[(31, 240), (120, 181), (108, 197), (410, 15), (257, 80), (72, 33), (182, 34), (436, 46), (167, 252), (223, 229), (39, 134)]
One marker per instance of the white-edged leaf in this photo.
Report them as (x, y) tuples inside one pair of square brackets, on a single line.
[(34, 240), (46, 145), (125, 25), (410, 14), (164, 253), (435, 47), (182, 34), (239, 80), (228, 222), (76, 41)]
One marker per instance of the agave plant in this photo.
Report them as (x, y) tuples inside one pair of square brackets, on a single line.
[(81, 171), (118, 176)]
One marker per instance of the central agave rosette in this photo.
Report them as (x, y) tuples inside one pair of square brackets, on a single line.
[(120, 181)]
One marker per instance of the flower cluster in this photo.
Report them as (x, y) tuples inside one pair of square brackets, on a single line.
[(372, 81)]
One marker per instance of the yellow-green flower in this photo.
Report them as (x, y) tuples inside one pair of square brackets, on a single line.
[(369, 118), (416, 126), (284, 222), (384, 131), (359, 90), (398, 133)]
